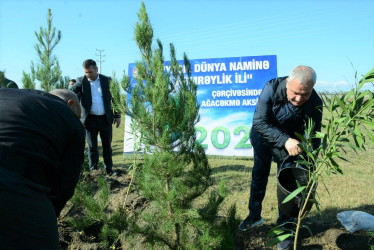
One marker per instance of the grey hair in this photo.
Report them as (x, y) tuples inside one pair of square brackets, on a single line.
[(65, 94), (304, 74)]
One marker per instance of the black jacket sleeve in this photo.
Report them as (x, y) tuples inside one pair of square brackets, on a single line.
[(70, 167), (77, 87)]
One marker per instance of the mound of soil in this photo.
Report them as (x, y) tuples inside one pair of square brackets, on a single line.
[(326, 236)]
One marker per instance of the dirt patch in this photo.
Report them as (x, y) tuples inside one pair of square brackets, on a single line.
[(326, 236)]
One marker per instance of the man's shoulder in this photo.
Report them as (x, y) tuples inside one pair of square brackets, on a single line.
[(277, 79), (36, 98), (35, 94), (104, 77), (278, 88), (316, 97), (79, 79), (278, 82), (77, 86)]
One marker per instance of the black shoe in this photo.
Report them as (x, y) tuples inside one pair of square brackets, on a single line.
[(111, 173), (249, 222)]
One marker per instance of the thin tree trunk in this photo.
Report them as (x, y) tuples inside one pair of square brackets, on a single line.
[(302, 214)]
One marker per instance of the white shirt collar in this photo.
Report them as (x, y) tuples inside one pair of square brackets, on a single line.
[(97, 78)]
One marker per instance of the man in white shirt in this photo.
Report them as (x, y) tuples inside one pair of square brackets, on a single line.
[(93, 90)]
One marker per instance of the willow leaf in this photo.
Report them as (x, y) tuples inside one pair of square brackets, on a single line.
[(278, 239), (293, 194)]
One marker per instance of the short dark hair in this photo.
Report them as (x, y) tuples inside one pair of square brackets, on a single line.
[(88, 63), (73, 80)]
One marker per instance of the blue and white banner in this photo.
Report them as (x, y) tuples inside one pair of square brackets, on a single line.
[(228, 91)]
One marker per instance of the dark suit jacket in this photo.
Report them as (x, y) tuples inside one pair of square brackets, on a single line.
[(83, 89), (276, 120), (41, 143)]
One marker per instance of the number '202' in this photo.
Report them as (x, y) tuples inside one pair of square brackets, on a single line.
[(238, 131)]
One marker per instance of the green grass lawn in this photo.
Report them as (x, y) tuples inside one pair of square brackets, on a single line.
[(354, 190)]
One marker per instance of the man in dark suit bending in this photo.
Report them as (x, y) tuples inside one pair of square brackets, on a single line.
[(41, 155), (93, 90)]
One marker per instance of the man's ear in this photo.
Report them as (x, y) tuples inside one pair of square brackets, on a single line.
[(70, 103)]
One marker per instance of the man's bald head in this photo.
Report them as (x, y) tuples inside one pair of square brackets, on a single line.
[(70, 98)]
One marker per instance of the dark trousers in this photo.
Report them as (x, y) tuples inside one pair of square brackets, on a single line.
[(27, 220), (99, 125), (260, 174)]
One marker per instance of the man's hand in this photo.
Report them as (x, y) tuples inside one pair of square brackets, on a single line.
[(292, 147), (117, 121)]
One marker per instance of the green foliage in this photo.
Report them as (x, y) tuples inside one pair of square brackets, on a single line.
[(113, 227), (47, 71), (175, 171), (92, 198), (86, 164), (119, 100), (371, 240), (278, 234), (368, 77), (350, 122), (63, 83), (209, 211), (229, 229), (134, 166), (28, 80)]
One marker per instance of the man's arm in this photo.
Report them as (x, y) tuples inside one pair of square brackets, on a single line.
[(70, 167), (77, 87)]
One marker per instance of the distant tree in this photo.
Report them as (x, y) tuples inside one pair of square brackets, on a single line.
[(47, 71), (63, 83), (175, 170), (28, 80), (119, 100)]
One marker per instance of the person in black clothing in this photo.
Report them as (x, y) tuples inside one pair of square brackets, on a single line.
[(72, 81), (41, 154), (284, 106), (93, 90), (6, 83)]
